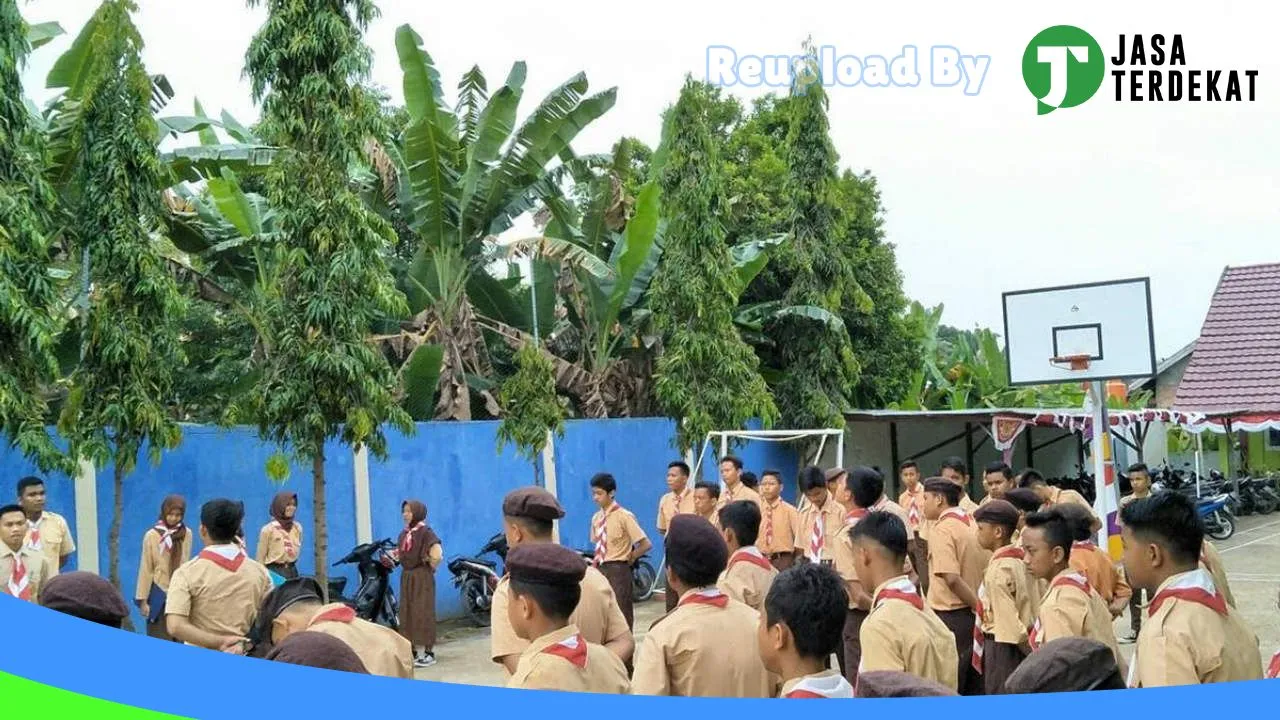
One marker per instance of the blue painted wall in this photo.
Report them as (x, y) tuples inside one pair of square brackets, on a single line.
[(453, 467)]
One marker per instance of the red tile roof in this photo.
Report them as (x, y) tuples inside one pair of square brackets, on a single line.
[(1236, 361)]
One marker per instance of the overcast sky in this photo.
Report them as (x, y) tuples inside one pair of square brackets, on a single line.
[(982, 195)]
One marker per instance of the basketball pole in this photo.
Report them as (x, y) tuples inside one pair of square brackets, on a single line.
[(1104, 472)]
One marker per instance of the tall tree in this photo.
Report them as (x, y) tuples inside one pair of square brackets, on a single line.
[(706, 377), (322, 379), (122, 387), (28, 294)]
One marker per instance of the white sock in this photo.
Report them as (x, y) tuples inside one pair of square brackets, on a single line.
[(419, 650)]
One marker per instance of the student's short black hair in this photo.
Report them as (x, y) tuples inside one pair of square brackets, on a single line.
[(1139, 467), (886, 529), (681, 465), (1000, 467), (1031, 477), (982, 517), (557, 601), (866, 484), (812, 478), (712, 488), (1170, 520), (605, 482), (750, 480), (954, 463), (908, 464), (221, 518), (28, 481), (1078, 519), (534, 526), (1025, 499), (743, 518), (737, 462), (777, 474), (12, 509), (1056, 529), (810, 599), (950, 493)]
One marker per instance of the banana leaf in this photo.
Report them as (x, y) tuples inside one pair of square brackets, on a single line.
[(419, 377)]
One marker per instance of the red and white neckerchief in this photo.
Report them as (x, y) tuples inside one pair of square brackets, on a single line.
[(818, 535), (1273, 667), (167, 535), (979, 637), (341, 614), (33, 534), (19, 584), (831, 686), (709, 596), (898, 589), (852, 517), (572, 648), (1071, 579), (1195, 586), (286, 536), (956, 514), (768, 523), (407, 544), (750, 554), (600, 532), (227, 557)]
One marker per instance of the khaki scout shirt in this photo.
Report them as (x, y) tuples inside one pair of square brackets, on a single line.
[(1191, 638), (967, 504), (1210, 560), (216, 598), (742, 492), (35, 563), (832, 518), (1095, 564), (706, 647), (748, 577), (275, 545), (954, 549), (55, 540), (563, 660), (1072, 608), (153, 567), (921, 525), (1010, 601), (671, 505), (382, 650), (779, 528), (597, 616), (901, 634), (1058, 496), (621, 533)]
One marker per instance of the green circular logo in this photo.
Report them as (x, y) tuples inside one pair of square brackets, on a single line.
[(1063, 66)]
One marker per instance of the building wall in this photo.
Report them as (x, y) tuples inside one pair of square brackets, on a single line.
[(1167, 383)]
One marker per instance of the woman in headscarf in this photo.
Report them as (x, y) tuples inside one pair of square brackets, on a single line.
[(164, 547), (420, 552), (317, 650), (280, 541)]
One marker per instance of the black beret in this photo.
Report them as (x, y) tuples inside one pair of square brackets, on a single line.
[(533, 503), (315, 649), (546, 564), (938, 485), (1024, 499), (1067, 665), (891, 683), (1000, 512), (694, 543), (86, 596)]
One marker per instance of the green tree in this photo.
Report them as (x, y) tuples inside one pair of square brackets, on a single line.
[(28, 293), (321, 378), (707, 377), (121, 390), (532, 409)]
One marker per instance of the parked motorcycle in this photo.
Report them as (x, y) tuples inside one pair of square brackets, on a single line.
[(375, 600), (476, 579), (642, 575), (1218, 522), (1257, 497)]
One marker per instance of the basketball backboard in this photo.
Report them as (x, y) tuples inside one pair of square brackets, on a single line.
[(1110, 322)]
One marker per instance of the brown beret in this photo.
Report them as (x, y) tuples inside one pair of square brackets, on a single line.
[(1067, 665), (999, 512), (533, 503), (693, 545), (938, 485), (86, 596), (546, 564), (834, 473), (315, 649), (891, 683)]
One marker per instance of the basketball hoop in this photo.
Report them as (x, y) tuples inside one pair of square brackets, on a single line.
[(1074, 363)]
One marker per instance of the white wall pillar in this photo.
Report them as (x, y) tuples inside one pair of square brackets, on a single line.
[(86, 492), (364, 508), (549, 477)]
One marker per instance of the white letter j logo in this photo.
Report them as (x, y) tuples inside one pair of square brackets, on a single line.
[(1056, 57)]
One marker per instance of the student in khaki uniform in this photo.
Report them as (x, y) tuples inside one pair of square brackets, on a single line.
[(165, 547), (546, 584), (679, 499), (280, 541), (998, 480), (528, 516), (749, 573), (707, 646), (706, 501), (1051, 496), (734, 488), (779, 523), (214, 598), (23, 570), (1070, 607), (1093, 562), (912, 501), (843, 560), (298, 606), (1007, 598), (799, 629), (1192, 636), (957, 563), (1140, 483), (955, 470), (899, 633), (47, 531), (618, 540), (821, 520)]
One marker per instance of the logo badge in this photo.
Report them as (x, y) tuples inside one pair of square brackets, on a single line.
[(1063, 66)]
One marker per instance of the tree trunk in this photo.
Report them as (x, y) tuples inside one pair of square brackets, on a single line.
[(321, 537), (117, 517)]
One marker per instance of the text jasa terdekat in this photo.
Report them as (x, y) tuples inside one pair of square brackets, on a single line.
[(1153, 69)]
